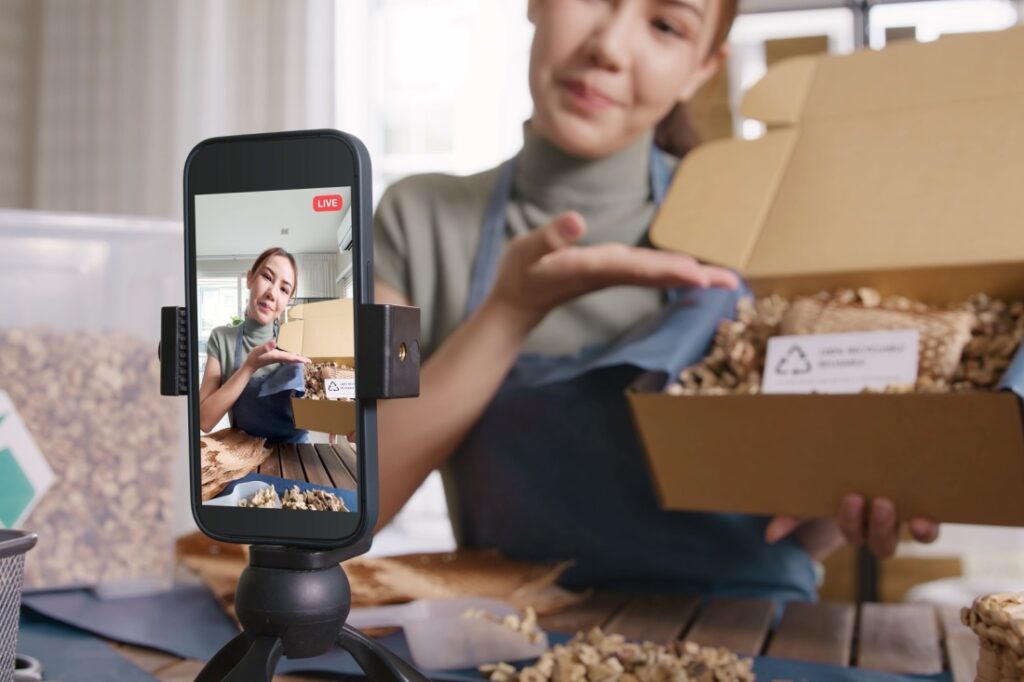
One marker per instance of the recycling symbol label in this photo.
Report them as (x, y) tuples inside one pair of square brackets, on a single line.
[(340, 388), (794, 362), (24, 472)]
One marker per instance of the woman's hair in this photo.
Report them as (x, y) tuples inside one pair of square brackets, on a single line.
[(675, 133), (277, 251)]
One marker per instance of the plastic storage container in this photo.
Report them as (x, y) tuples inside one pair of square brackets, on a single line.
[(13, 546), (78, 343)]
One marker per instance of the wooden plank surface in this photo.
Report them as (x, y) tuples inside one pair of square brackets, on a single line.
[(315, 471), (291, 467), (658, 618), (740, 625), (272, 465), (961, 644), (594, 611), (336, 469), (819, 632), (347, 455), (899, 638)]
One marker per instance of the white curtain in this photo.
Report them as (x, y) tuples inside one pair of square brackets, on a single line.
[(318, 274), (124, 88)]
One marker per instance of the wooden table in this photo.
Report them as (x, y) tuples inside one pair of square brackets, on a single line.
[(332, 465), (899, 638)]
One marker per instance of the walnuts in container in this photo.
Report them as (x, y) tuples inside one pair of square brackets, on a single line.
[(265, 498), (527, 625), (595, 656), (318, 373), (963, 347), (315, 500), (92, 403)]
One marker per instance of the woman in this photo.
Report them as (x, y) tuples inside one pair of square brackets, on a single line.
[(540, 303), (247, 376)]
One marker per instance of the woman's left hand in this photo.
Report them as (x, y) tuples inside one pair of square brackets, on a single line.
[(875, 525)]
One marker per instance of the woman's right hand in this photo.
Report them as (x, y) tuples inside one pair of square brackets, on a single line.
[(541, 270), (268, 354)]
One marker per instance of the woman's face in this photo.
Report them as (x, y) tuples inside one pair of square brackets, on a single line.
[(604, 71), (270, 288)]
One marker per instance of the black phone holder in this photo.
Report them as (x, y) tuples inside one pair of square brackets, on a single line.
[(294, 601)]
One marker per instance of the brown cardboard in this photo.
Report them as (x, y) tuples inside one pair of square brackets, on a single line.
[(897, 169), (323, 332)]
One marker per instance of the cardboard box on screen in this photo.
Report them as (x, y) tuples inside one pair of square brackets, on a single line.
[(323, 332), (900, 170)]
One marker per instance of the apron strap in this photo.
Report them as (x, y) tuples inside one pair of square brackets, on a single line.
[(492, 233), (488, 253)]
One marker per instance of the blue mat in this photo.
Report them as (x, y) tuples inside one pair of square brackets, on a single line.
[(185, 621), (350, 497), (188, 622), (70, 655)]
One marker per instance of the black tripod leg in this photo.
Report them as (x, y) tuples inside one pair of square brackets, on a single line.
[(243, 660), (376, 661), (217, 668)]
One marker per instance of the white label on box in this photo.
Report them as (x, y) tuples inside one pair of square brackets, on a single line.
[(840, 363), (340, 388), (25, 475)]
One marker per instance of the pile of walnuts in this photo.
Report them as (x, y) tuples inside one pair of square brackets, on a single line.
[(596, 656), (91, 401)]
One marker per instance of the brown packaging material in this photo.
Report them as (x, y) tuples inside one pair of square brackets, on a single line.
[(323, 332), (897, 170), (943, 334), (392, 580), (227, 455)]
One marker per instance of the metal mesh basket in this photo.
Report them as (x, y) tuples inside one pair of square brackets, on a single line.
[(13, 545)]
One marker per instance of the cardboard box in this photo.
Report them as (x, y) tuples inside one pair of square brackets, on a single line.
[(900, 170), (323, 332)]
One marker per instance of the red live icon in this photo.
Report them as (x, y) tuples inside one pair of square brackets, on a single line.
[(327, 202)]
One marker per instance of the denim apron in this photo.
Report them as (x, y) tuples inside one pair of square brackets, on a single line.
[(554, 469), (264, 408)]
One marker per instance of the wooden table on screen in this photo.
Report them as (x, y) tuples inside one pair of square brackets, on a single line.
[(332, 465)]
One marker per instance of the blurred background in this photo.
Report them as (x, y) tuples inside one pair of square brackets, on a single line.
[(101, 100)]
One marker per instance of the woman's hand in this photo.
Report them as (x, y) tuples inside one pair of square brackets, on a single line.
[(876, 525), (541, 270), (268, 354)]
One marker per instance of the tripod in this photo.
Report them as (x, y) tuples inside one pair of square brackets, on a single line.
[(293, 602)]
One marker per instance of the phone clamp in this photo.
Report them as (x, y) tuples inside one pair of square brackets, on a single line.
[(294, 602)]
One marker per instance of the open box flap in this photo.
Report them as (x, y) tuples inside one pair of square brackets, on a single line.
[(904, 159), (320, 330)]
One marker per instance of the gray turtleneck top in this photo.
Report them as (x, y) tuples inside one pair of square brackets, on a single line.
[(427, 227), (223, 340)]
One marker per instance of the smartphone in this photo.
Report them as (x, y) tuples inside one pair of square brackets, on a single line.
[(277, 263)]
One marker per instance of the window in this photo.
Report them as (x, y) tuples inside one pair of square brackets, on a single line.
[(408, 88), (926, 21), (220, 302)]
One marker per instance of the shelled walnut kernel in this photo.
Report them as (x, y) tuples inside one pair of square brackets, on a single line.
[(527, 625)]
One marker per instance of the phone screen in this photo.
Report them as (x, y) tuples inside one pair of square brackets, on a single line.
[(276, 351)]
